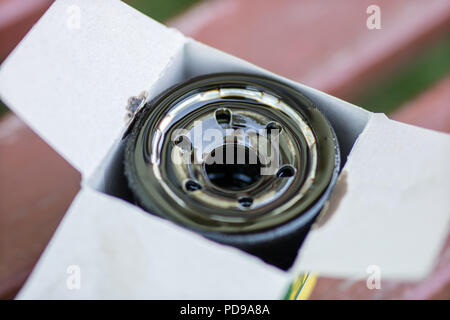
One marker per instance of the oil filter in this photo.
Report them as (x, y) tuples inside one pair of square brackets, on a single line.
[(244, 160)]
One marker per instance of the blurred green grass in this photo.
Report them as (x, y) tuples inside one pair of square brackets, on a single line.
[(161, 10), (405, 82), (3, 108)]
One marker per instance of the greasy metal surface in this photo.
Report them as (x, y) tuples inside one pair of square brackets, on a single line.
[(183, 191)]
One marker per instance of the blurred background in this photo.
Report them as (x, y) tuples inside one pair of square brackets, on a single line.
[(402, 69)]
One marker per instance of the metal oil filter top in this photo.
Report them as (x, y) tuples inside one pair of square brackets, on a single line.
[(242, 159)]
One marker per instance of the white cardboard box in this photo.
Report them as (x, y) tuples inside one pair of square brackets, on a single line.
[(70, 79)]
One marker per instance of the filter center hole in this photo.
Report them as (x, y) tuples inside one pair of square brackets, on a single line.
[(233, 167)]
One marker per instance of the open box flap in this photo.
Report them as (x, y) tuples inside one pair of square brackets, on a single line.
[(120, 251), (71, 77), (390, 208)]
